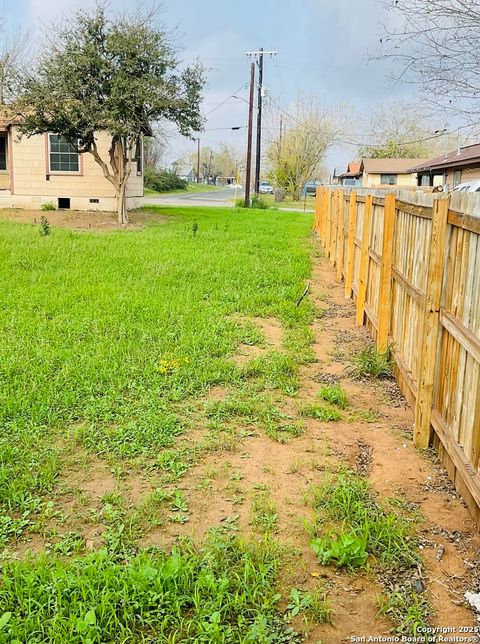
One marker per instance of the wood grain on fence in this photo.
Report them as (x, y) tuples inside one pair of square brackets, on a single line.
[(411, 260)]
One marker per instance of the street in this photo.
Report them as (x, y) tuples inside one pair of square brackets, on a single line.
[(224, 197)]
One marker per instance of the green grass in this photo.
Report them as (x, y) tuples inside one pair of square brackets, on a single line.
[(309, 204), (352, 528), (335, 395), (370, 363), (224, 592), (103, 332), (110, 343)]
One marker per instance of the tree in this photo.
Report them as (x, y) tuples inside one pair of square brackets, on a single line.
[(118, 75), (14, 56), (437, 43), (215, 163), (400, 130), (297, 156)]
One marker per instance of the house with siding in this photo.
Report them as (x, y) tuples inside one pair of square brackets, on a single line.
[(377, 173), (451, 169), (380, 173), (46, 168)]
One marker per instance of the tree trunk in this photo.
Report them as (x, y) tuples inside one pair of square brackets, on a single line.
[(123, 174), (122, 205)]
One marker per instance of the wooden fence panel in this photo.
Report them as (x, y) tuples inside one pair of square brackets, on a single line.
[(416, 280)]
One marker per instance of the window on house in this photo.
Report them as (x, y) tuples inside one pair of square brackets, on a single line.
[(63, 156), (3, 153), (138, 157), (388, 179), (457, 178)]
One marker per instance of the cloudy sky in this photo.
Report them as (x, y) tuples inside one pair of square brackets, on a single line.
[(323, 48)]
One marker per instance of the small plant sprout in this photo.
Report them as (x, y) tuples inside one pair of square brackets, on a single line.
[(195, 228)]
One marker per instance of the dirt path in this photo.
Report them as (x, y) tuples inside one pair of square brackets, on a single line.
[(225, 490)]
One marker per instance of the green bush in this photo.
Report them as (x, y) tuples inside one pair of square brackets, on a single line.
[(163, 181), (48, 205), (259, 203)]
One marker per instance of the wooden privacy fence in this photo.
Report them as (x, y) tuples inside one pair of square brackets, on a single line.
[(411, 260)]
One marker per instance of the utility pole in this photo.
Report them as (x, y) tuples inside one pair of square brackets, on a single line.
[(198, 160), (259, 57), (248, 170)]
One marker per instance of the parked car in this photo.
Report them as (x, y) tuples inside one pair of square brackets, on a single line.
[(310, 188), (468, 186), (265, 188)]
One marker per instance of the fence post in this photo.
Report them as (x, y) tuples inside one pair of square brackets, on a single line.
[(317, 226), (431, 323), (385, 289), (328, 218), (341, 235), (352, 214), (364, 259), (334, 236)]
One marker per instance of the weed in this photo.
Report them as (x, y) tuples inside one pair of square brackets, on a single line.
[(44, 227), (283, 433), (408, 610), (259, 203), (275, 370), (335, 395), (314, 604), (265, 515), (370, 363), (48, 205), (319, 412), (368, 529), (346, 549)]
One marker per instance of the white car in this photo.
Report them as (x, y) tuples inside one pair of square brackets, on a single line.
[(265, 188), (468, 186)]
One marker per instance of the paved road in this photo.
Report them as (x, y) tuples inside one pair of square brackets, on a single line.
[(214, 198)]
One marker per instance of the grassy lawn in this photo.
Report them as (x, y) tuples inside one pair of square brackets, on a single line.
[(309, 204), (107, 338), (186, 446), (192, 187)]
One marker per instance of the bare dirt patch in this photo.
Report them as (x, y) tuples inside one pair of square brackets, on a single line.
[(81, 220)]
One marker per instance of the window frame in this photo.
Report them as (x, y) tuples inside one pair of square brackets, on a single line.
[(5, 138), (67, 173), (389, 183), (457, 178), (138, 158)]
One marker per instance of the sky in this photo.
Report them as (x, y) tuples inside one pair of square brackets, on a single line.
[(324, 48)]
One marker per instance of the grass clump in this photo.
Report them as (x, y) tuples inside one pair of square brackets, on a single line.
[(320, 412), (352, 527), (222, 592), (335, 395), (48, 206), (370, 363), (313, 606)]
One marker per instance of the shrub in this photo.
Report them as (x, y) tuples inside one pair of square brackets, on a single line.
[(162, 180), (48, 205), (259, 203), (372, 363)]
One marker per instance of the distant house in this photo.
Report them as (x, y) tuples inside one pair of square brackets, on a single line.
[(353, 175), (380, 173), (456, 167), (46, 168), (389, 172), (185, 172)]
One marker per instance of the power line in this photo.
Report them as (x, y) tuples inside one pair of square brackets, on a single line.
[(244, 86), (367, 144)]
